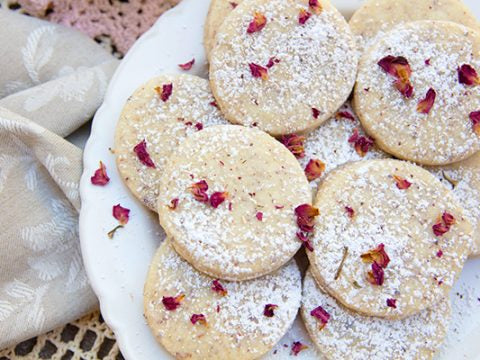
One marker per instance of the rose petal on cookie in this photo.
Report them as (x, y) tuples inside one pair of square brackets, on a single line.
[(315, 6), (392, 303), (142, 154), (315, 113), (258, 71), (475, 117), (269, 310), (350, 212), (173, 204), (188, 65), (399, 68), (376, 275), (199, 191), (306, 214), (405, 88), (172, 303), (440, 228), (294, 143), (297, 346), (257, 24), (100, 176), (121, 214), (259, 216), (344, 115), (426, 104), (217, 198), (218, 288), (401, 182), (199, 126), (439, 253), (467, 75), (377, 255), (303, 16), (272, 61), (305, 239), (198, 318), (314, 169), (321, 315), (448, 219), (233, 4), (165, 91)]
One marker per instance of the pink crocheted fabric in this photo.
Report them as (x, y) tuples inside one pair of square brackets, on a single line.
[(123, 21)]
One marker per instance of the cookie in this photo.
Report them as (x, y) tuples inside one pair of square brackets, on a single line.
[(339, 140), (195, 316), (387, 229), (464, 179), (228, 199), (375, 17), (281, 65), (412, 94), (218, 11), (343, 334), (150, 127)]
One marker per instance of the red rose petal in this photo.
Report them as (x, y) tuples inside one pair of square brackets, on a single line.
[(467, 75), (377, 255), (272, 61), (448, 219), (121, 214), (362, 144), (314, 169), (402, 183), (350, 212), (306, 217), (440, 228), (303, 16), (233, 4), (315, 6), (165, 91), (376, 276), (218, 288), (439, 253), (315, 113), (258, 23), (475, 117), (297, 346), (269, 310), (321, 315), (198, 318), (187, 66), (392, 303), (199, 191), (214, 103), (141, 150), (217, 198), (173, 204), (405, 88), (172, 303), (294, 143), (259, 216), (344, 115), (425, 105), (305, 239), (258, 71), (199, 126), (398, 67), (100, 177)]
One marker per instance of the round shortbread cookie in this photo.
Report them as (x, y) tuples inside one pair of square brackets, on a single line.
[(402, 208), (374, 17), (335, 143), (236, 325), (218, 11), (348, 335), (464, 179), (253, 231), (434, 51), (286, 77), (163, 125)]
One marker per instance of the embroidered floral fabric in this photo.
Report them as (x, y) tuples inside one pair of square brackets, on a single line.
[(48, 88)]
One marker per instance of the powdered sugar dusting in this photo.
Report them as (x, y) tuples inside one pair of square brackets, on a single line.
[(317, 66), (351, 336)]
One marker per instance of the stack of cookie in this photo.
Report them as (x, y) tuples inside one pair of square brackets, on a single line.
[(385, 238)]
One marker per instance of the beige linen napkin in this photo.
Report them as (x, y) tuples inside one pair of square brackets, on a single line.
[(52, 79)]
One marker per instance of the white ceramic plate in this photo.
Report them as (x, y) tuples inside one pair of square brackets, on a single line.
[(117, 268)]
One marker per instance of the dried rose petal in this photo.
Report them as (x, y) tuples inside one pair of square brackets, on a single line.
[(269, 310), (199, 191), (315, 113), (172, 303), (187, 66), (392, 303), (165, 91), (475, 117), (100, 177), (294, 143), (305, 239), (198, 318), (448, 219), (321, 315), (233, 4), (121, 214), (306, 217), (297, 346), (427, 62), (173, 204), (361, 144), (259, 216), (217, 198), (213, 103), (314, 169), (377, 255), (405, 88), (141, 150), (272, 61), (315, 6), (258, 23), (440, 228), (376, 276), (467, 75), (199, 126), (402, 183), (425, 105), (258, 71), (344, 115), (439, 253), (350, 212), (303, 16), (218, 288), (398, 67)]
